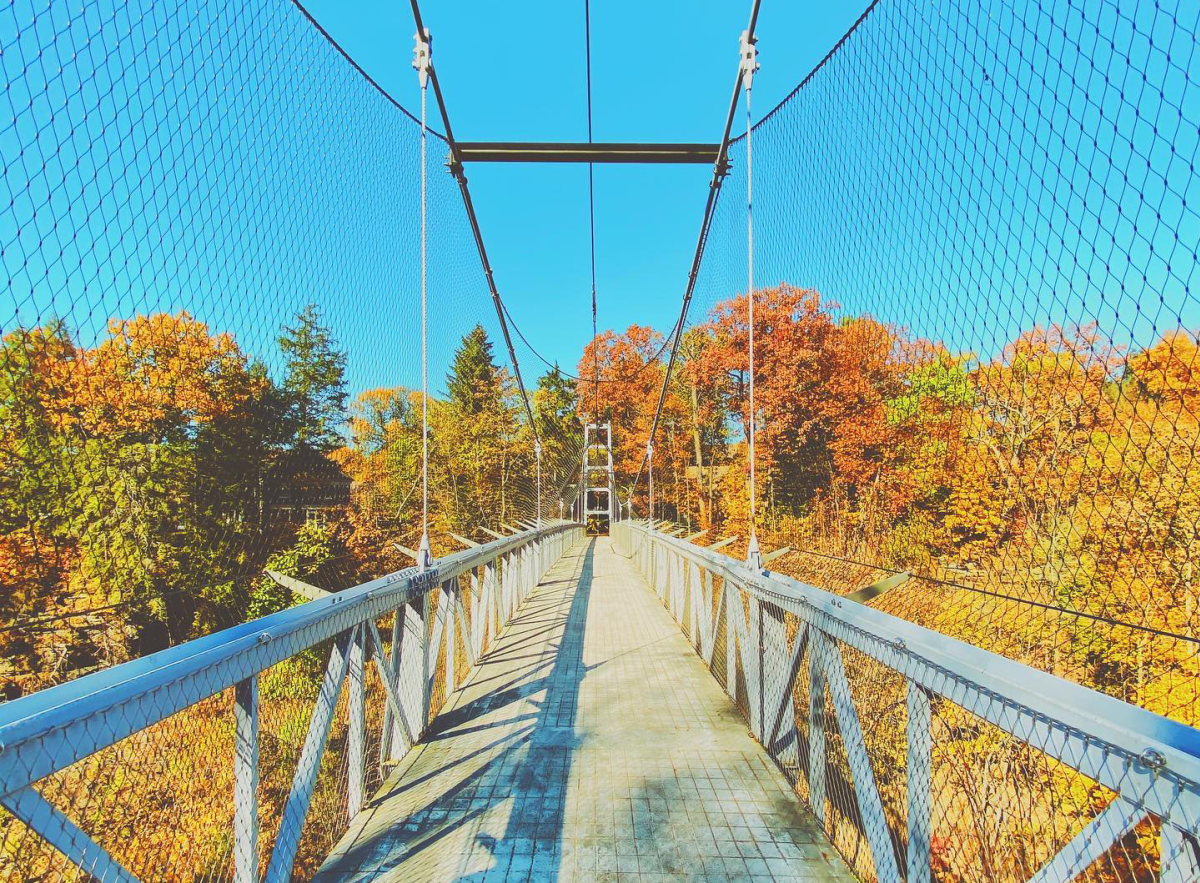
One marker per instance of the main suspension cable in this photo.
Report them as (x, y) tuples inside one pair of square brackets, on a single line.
[(456, 169), (720, 168), (541, 358)]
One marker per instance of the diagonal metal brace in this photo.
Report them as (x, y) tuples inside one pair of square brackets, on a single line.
[(47, 820), (411, 553), (393, 699), (778, 553), (295, 811), (874, 590), (300, 587)]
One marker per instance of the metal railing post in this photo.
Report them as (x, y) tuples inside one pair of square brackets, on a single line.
[(920, 786), (245, 777), (449, 591), (732, 597), (493, 606), (410, 673), (356, 735), (426, 662), (475, 632), (816, 731)]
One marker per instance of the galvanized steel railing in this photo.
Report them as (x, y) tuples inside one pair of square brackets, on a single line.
[(186, 721), (925, 758)]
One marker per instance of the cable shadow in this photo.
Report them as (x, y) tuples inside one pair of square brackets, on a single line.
[(532, 839)]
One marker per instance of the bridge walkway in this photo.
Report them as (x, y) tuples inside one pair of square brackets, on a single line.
[(589, 745)]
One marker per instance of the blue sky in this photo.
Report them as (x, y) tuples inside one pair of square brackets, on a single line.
[(966, 169), (661, 71)]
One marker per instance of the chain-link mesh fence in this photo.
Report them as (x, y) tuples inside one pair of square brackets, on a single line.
[(975, 240)]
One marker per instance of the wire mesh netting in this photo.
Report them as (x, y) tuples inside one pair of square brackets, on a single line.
[(975, 339), (211, 359), (975, 240), (211, 369)]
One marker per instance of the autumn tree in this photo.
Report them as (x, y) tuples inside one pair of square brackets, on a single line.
[(169, 468), (631, 376), (37, 479), (1037, 406), (1129, 555), (384, 456), (821, 389)]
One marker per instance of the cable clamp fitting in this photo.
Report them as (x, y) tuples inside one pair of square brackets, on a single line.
[(749, 56), (422, 56)]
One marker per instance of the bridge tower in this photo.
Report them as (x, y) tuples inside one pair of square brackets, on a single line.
[(598, 497)]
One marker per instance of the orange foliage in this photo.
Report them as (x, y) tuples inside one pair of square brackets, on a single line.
[(630, 383), (162, 369), (821, 390), (1038, 406)]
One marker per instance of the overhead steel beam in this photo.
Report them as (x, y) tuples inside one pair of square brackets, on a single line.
[(595, 152)]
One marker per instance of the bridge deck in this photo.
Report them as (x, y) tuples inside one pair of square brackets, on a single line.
[(590, 744)]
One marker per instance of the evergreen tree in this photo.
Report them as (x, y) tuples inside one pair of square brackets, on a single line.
[(315, 384), (473, 381), (555, 412), (554, 409)]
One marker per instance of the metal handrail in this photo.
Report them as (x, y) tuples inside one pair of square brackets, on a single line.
[(1119, 723), (49, 730)]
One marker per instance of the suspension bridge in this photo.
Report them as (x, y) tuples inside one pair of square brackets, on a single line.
[(878, 568)]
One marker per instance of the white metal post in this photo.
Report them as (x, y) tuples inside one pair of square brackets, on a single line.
[(245, 787), (356, 737), (920, 786)]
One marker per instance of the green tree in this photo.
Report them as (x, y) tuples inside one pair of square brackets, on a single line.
[(474, 379), (481, 448), (555, 406), (314, 385), (555, 413), (309, 558)]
